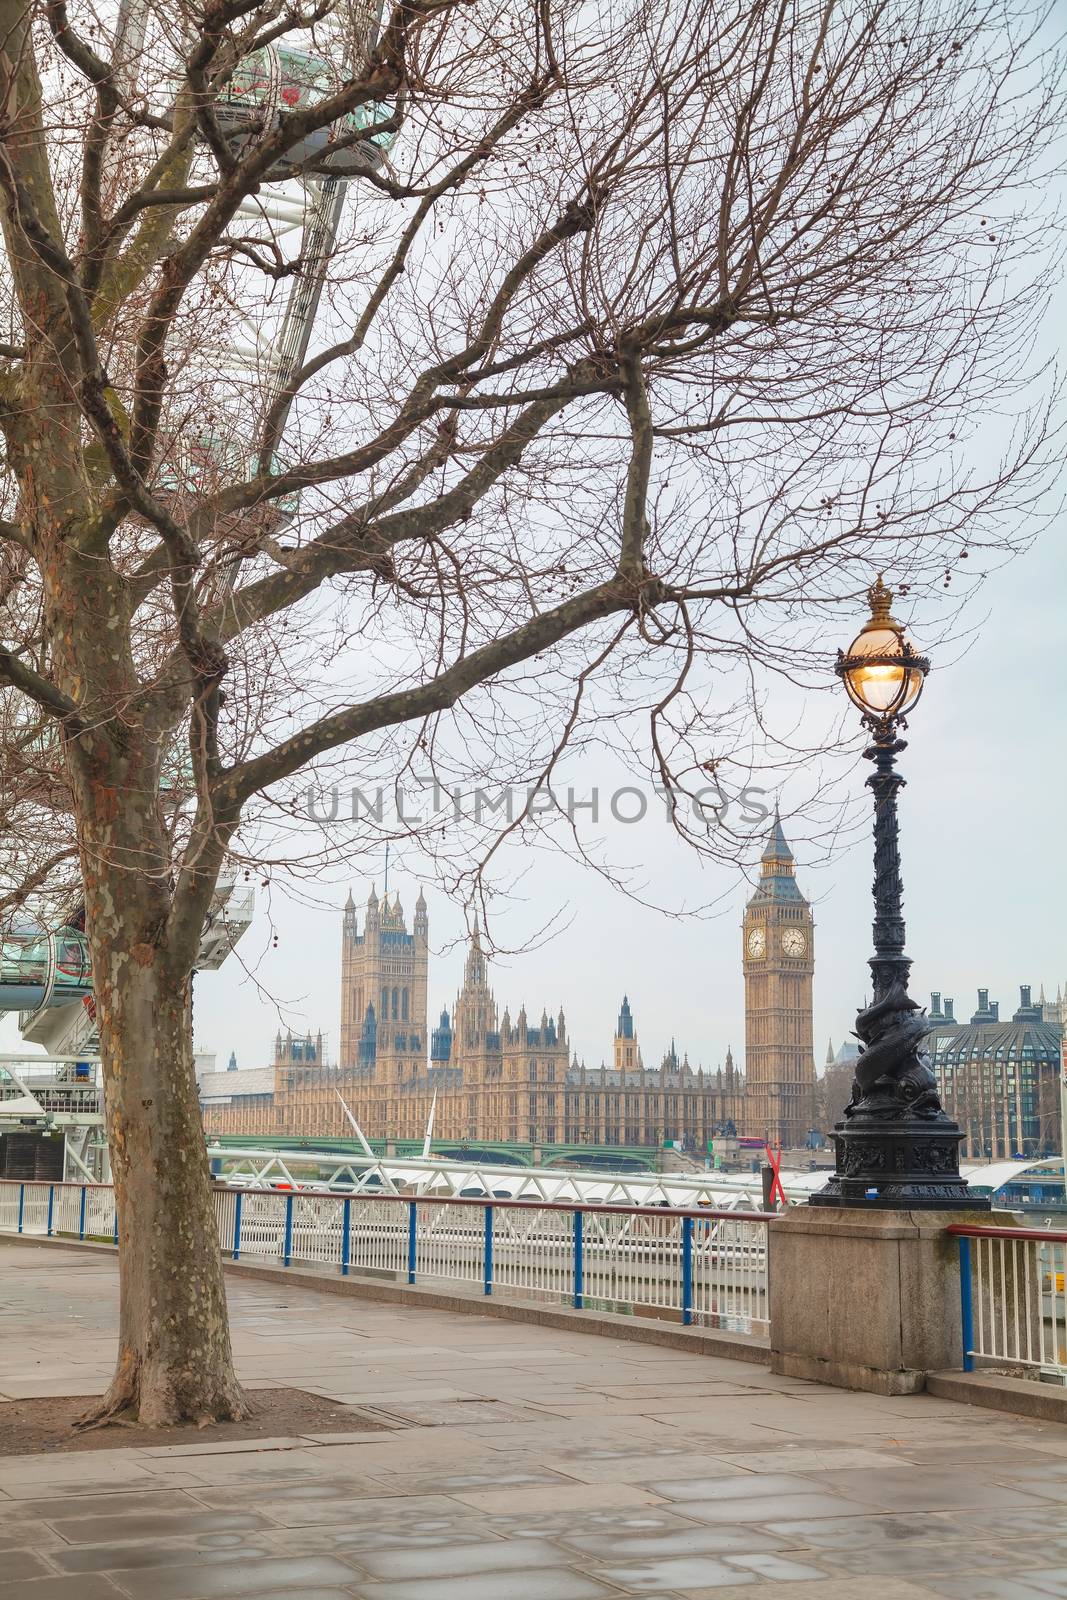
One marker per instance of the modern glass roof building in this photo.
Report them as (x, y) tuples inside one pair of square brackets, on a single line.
[(999, 1079)]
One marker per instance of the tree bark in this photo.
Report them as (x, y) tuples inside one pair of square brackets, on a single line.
[(174, 1361)]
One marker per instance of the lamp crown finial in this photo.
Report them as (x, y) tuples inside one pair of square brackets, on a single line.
[(880, 600)]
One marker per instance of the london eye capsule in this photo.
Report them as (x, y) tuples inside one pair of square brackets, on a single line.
[(38, 967), (275, 80)]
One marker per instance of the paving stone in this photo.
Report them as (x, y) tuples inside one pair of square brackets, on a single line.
[(19, 1565), (673, 1542), (928, 1489), (670, 1576), (1030, 1585), (739, 1487), (824, 1589), (766, 1508), (256, 1577), (103, 1530), (86, 1505), (567, 1496), (67, 1588), (118, 1558), (551, 1584), (454, 1561)]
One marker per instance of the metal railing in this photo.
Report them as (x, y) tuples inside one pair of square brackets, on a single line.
[(1013, 1303), (54, 1210), (704, 1268)]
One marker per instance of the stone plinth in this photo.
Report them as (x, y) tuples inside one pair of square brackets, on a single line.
[(866, 1299)]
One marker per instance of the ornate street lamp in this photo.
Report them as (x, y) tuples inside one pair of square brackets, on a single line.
[(895, 1147)]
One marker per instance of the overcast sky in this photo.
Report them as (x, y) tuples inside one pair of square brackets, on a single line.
[(983, 850), (983, 858)]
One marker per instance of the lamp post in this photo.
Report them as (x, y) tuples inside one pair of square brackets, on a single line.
[(895, 1147)]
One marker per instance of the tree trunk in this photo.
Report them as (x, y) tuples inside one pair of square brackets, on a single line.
[(174, 1360)]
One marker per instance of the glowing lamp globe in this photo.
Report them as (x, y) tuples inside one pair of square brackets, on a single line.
[(881, 671)]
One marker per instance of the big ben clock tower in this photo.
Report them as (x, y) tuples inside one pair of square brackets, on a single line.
[(779, 960)]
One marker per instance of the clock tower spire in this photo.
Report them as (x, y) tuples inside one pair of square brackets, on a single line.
[(779, 960)]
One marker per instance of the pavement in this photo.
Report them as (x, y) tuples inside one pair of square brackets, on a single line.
[(522, 1463)]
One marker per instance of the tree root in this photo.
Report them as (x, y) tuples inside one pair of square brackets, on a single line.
[(134, 1399)]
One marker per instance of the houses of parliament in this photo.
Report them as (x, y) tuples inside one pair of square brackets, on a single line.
[(503, 1078)]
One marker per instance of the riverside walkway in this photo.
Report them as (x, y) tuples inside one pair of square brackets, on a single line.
[(541, 1464)]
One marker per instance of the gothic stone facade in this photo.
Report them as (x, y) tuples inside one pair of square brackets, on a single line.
[(778, 955), (495, 1078)]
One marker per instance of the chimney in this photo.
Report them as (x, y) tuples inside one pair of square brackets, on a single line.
[(948, 1010), (983, 999), (935, 1004), (995, 1009), (1024, 996)]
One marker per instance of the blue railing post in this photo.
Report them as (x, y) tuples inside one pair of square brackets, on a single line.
[(579, 1267), (51, 1206), (488, 1255), (81, 1212), (346, 1240), (287, 1248), (22, 1204), (687, 1270), (237, 1225), (966, 1304), (412, 1240)]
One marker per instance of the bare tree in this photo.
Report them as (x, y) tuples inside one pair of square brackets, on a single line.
[(661, 330)]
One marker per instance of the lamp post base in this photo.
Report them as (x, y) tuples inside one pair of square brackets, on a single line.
[(898, 1164)]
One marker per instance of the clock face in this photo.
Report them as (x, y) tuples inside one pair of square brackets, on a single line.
[(757, 942), (793, 942)]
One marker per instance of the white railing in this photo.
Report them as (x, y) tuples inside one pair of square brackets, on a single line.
[(707, 1268), (52, 1210), (1013, 1300)]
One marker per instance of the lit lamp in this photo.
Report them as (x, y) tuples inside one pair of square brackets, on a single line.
[(895, 1148), (881, 672)]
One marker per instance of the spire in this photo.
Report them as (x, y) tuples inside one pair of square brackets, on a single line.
[(777, 880), (829, 1052), (420, 903), (372, 898), (625, 1027), (776, 848), (350, 904)]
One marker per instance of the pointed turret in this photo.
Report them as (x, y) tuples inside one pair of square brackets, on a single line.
[(441, 1041), (627, 1054), (776, 848), (829, 1052), (777, 880)]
